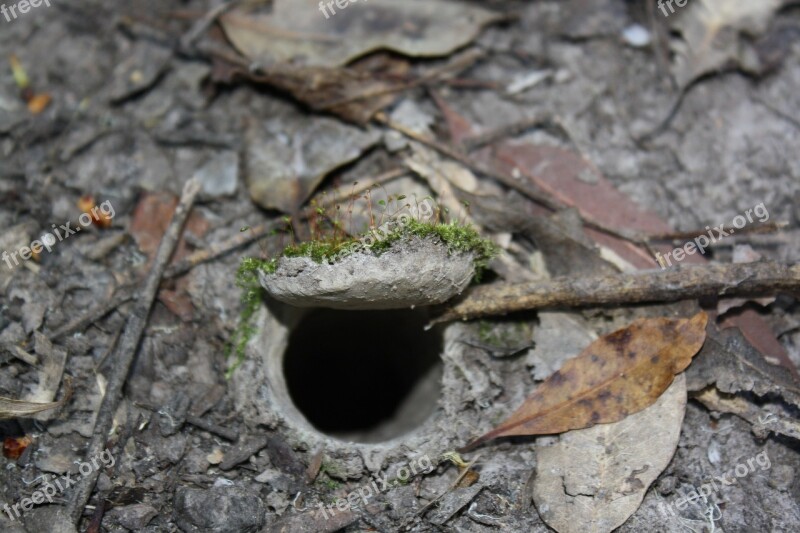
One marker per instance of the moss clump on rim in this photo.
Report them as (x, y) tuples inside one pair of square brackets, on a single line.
[(457, 237)]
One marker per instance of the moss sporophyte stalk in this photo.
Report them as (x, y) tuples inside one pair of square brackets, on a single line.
[(458, 238)]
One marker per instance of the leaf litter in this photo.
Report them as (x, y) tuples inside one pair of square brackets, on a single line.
[(615, 478), (714, 34)]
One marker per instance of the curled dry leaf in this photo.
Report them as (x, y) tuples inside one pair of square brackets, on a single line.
[(732, 365), (297, 32), (354, 93), (615, 376), (10, 408), (711, 32), (14, 447), (762, 421)]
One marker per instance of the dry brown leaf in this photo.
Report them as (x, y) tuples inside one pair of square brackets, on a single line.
[(284, 165), (354, 94), (762, 421), (296, 32), (618, 462), (615, 376), (151, 217), (732, 365), (10, 408), (14, 447), (711, 31), (39, 103)]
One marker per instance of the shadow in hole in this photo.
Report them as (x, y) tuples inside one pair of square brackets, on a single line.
[(350, 371)]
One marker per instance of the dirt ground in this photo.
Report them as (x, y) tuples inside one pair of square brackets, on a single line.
[(134, 114)]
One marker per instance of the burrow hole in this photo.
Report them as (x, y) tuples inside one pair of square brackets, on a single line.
[(364, 376)]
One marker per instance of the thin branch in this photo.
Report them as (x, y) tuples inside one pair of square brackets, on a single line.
[(682, 283), (221, 248), (94, 314), (540, 119), (227, 434), (19, 353), (200, 27)]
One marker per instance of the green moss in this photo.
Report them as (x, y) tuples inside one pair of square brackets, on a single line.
[(485, 333), (328, 483), (326, 471), (503, 334), (458, 238), (319, 251), (252, 294)]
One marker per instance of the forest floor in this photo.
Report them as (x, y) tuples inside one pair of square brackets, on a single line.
[(124, 103)]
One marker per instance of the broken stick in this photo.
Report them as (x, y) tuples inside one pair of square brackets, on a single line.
[(682, 283)]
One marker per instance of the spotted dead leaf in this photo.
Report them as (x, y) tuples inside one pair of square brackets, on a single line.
[(615, 376)]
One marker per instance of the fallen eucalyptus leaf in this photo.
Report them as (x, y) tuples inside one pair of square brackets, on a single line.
[(615, 376), (617, 463), (297, 32)]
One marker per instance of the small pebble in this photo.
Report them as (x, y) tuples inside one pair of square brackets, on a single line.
[(781, 477), (636, 35)]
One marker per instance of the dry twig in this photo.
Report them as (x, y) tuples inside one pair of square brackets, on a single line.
[(682, 283), (94, 314)]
